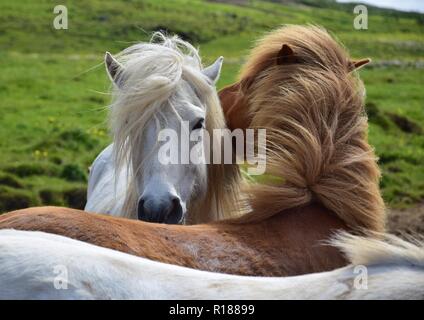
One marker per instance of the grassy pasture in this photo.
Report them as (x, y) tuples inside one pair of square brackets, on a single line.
[(53, 88)]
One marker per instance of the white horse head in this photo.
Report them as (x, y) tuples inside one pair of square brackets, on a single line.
[(158, 85)]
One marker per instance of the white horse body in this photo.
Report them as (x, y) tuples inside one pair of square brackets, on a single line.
[(106, 189), (37, 265)]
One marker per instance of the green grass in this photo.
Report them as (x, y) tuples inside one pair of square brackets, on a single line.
[(398, 92), (53, 85)]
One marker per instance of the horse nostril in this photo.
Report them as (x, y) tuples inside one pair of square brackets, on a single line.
[(175, 202), (175, 213), (140, 210)]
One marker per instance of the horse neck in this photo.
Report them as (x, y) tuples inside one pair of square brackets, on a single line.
[(311, 218), (307, 223), (321, 152)]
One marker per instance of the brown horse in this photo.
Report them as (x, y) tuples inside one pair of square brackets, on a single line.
[(300, 85), (282, 245)]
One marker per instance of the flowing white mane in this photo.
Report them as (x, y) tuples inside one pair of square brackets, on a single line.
[(150, 77), (380, 248)]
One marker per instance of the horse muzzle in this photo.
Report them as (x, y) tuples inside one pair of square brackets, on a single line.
[(160, 210)]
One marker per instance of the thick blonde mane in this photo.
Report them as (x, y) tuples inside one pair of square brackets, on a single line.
[(150, 77), (316, 129), (380, 248)]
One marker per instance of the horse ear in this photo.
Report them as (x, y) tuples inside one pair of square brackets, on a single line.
[(286, 55), (113, 68), (359, 63), (214, 70)]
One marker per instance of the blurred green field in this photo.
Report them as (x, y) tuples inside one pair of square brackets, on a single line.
[(53, 88)]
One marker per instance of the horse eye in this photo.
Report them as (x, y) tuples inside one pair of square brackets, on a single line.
[(199, 124)]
